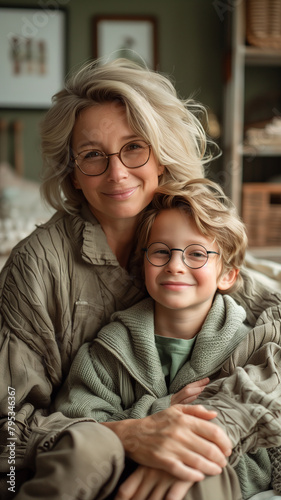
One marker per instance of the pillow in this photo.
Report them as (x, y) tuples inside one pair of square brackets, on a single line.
[(21, 208)]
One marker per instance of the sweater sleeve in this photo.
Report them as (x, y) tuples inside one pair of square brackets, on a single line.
[(247, 394), (30, 353), (26, 370), (100, 387)]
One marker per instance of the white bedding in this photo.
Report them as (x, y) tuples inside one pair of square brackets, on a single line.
[(21, 208), (266, 271), (266, 495)]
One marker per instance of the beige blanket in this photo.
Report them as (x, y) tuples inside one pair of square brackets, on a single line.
[(266, 271)]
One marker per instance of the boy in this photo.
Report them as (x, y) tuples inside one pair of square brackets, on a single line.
[(192, 245)]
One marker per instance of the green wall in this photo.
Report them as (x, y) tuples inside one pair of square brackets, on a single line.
[(190, 48)]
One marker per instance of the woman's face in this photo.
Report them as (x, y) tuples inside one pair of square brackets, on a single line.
[(120, 192)]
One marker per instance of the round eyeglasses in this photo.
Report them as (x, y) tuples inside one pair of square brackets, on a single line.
[(193, 256), (93, 162)]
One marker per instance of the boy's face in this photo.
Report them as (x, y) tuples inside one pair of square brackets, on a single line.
[(174, 285)]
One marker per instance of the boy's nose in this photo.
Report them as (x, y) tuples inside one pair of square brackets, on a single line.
[(175, 263)]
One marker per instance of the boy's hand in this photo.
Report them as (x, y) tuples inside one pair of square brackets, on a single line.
[(190, 392), (146, 483)]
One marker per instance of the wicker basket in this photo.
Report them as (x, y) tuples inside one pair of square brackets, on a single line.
[(261, 212), (263, 23)]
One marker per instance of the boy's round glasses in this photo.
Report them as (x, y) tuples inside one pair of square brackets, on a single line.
[(93, 162), (193, 256)]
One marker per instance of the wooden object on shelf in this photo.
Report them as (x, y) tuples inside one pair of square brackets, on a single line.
[(240, 57), (261, 212), (263, 23), (18, 147)]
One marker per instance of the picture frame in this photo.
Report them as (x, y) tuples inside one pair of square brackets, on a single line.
[(132, 37), (32, 55)]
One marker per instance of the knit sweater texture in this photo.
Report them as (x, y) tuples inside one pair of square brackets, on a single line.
[(112, 378)]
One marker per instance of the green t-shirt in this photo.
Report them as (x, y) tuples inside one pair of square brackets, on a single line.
[(173, 354)]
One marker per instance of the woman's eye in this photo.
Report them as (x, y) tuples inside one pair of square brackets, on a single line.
[(133, 146), (92, 154)]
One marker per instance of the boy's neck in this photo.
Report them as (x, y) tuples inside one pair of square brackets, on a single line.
[(182, 324)]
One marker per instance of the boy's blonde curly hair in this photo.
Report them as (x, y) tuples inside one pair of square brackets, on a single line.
[(213, 212)]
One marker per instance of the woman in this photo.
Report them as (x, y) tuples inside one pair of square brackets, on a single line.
[(110, 137)]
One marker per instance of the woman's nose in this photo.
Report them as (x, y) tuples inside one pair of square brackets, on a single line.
[(116, 170)]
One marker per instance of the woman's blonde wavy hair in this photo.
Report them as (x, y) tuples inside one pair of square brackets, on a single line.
[(214, 214), (170, 124)]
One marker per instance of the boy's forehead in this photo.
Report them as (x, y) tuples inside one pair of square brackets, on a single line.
[(173, 217), (177, 228), (176, 224)]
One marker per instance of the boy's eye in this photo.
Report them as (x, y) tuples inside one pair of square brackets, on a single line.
[(162, 252), (159, 252), (196, 255)]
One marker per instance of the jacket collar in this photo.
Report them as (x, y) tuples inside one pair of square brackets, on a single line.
[(95, 248), (223, 329), (131, 337)]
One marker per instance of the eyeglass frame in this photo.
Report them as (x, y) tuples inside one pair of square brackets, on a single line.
[(208, 252), (74, 158)]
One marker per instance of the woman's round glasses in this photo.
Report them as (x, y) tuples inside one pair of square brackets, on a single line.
[(193, 256), (93, 162)]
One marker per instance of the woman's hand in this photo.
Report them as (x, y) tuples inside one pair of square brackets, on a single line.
[(190, 392), (179, 440), (146, 483)]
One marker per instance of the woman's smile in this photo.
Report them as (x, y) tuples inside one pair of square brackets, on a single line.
[(122, 194)]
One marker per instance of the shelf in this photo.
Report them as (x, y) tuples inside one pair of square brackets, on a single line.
[(263, 57), (270, 253), (237, 151), (261, 150)]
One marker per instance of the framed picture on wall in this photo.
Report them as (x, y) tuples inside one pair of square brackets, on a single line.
[(32, 56), (132, 37)]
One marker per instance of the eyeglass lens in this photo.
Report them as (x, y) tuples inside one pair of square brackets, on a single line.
[(194, 256), (133, 155)]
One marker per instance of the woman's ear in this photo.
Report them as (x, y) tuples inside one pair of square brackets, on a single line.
[(228, 279), (160, 170), (75, 181)]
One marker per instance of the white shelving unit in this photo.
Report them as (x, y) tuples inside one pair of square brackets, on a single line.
[(234, 148)]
